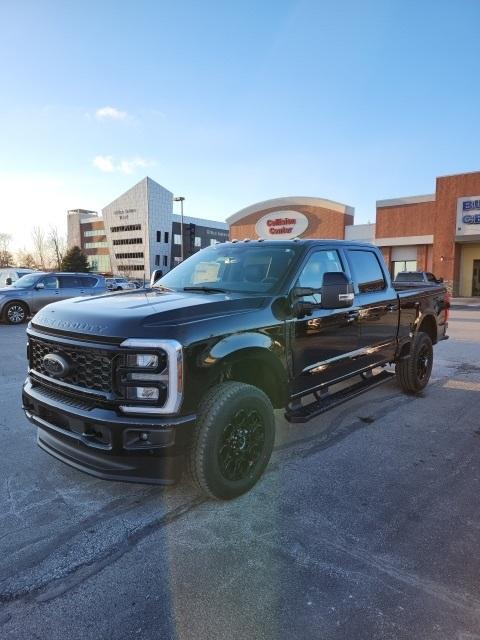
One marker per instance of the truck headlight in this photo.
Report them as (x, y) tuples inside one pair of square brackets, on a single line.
[(152, 376), (143, 360), (142, 393)]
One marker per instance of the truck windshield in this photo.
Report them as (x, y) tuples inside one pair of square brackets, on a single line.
[(25, 282), (233, 268)]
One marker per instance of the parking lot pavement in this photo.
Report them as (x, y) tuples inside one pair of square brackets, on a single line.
[(366, 525)]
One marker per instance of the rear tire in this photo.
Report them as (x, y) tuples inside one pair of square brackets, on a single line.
[(15, 312), (233, 440), (414, 372)]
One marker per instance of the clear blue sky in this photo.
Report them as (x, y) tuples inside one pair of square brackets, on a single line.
[(228, 103)]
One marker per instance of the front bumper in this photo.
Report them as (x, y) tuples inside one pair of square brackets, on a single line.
[(106, 444)]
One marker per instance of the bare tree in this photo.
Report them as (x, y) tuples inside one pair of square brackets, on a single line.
[(57, 245), (6, 258), (25, 259), (40, 247)]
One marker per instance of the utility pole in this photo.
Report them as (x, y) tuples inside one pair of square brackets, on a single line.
[(181, 199)]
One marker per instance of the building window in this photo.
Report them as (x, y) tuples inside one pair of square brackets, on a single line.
[(177, 239), (198, 241), (96, 245), (159, 236), (100, 263), (165, 261), (157, 259), (126, 256), (166, 236), (403, 265), (131, 267), (126, 227), (128, 241), (94, 232)]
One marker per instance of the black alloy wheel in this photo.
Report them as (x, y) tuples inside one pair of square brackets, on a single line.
[(241, 444), (15, 313), (414, 371), (232, 441), (424, 362)]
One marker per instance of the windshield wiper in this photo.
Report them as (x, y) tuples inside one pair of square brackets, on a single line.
[(205, 289), (162, 287)]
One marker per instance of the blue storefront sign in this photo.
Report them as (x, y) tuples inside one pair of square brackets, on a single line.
[(471, 219), (471, 205)]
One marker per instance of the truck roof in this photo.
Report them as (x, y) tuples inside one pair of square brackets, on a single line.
[(302, 241)]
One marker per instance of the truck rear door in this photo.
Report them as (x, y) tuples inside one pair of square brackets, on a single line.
[(378, 305)]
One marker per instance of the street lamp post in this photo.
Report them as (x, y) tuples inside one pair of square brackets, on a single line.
[(181, 199)]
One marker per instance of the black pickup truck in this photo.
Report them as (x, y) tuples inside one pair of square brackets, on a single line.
[(137, 385)]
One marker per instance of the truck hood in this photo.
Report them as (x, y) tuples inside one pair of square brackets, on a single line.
[(143, 313)]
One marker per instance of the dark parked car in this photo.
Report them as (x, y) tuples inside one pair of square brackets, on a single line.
[(187, 373), (31, 292), (406, 279)]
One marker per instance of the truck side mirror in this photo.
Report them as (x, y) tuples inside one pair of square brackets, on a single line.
[(40, 285), (8, 282), (337, 290), (439, 280), (156, 275)]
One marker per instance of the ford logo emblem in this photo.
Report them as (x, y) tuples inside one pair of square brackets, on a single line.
[(56, 365)]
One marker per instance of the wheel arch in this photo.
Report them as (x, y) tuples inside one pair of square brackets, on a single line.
[(253, 358), (428, 325)]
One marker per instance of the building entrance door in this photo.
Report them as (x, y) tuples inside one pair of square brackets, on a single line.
[(476, 278)]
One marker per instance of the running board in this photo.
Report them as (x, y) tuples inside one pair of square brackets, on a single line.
[(306, 412)]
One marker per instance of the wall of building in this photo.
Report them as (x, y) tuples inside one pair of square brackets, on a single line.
[(469, 253), (395, 221), (129, 209), (326, 219), (160, 216), (447, 253)]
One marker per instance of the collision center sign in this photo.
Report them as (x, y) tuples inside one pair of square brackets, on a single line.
[(468, 216), (281, 225)]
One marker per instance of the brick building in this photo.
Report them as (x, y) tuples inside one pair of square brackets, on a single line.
[(438, 232)]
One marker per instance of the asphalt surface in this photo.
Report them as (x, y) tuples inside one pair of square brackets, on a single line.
[(366, 525)]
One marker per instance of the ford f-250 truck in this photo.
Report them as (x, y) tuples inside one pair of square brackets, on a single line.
[(137, 385)]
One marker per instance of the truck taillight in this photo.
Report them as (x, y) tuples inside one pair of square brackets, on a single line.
[(446, 300)]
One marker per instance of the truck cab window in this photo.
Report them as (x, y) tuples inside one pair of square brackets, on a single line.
[(366, 271), (318, 263)]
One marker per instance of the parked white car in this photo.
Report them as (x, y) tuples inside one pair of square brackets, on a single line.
[(119, 284)]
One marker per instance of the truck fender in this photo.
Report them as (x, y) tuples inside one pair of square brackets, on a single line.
[(240, 342), (242, 347)]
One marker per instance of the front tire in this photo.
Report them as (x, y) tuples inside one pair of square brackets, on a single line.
[(414, 372), (233, 440), (15, 313)]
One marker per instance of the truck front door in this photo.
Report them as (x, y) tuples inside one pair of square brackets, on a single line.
[(323, 344)]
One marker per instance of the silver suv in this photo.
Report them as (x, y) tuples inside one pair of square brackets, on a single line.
[(30, 293)]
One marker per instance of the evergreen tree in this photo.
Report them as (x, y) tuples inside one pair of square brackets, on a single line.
[(75, 260)]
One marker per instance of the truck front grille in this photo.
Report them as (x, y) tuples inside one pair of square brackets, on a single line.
[(91, 369)]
